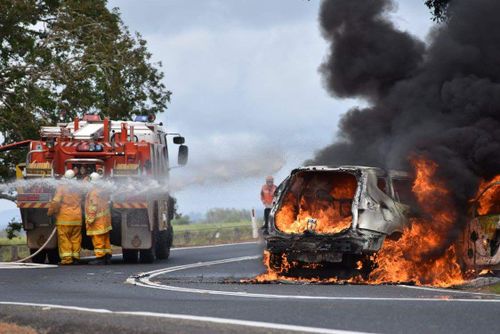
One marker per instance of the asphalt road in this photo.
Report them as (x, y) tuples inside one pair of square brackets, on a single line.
[(198, 290)]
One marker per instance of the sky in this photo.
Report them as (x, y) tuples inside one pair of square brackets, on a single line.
[(247, 94)]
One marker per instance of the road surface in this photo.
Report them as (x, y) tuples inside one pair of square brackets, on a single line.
[(198, 290)]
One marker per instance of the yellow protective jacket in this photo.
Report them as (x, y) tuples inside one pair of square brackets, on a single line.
[(67, 206), (97, 213)]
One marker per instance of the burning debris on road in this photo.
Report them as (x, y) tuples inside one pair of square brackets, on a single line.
[(433, 109)]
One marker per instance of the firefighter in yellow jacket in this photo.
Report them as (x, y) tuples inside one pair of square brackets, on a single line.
[(67, 207), (98, 221)]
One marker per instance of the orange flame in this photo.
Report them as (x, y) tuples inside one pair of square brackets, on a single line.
[(489, 202), (413, 257), (330, 213)]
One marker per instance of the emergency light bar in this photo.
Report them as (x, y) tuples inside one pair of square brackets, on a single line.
[(141, 118), (145, 118)]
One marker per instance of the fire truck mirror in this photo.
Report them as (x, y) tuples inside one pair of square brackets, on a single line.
[(179, 140), (182, 158)]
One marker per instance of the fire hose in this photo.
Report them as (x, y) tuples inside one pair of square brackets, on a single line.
[(20, 263)]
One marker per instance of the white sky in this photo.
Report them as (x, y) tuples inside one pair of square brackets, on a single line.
[(246, 90)]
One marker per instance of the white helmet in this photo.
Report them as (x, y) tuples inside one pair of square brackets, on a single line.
[(94, 177), (69, 174)]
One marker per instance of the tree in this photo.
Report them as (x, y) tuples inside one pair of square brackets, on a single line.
[(63, 58), (438, 8)]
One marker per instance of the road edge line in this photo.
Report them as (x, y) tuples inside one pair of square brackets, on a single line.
[(216, 320)]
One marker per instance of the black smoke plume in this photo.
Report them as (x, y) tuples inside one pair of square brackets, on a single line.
[(440, 100)]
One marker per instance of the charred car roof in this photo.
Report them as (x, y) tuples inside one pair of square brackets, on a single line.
[(351, 169)]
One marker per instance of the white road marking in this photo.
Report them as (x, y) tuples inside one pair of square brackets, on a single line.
[(428, 288), (18, 265), (144, 280), (224, 321)]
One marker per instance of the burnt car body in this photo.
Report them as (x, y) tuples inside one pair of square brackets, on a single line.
[(480, 240), (341, 214)]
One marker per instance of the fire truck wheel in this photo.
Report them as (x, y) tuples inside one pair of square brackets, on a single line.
[(39, 258), (53, 256), (164, 243), (147, 255), (130, 255)]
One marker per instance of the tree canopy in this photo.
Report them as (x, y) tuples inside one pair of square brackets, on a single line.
[(438, 8), (62, 58)]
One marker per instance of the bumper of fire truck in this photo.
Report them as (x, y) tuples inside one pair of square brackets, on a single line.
[(134, 223)]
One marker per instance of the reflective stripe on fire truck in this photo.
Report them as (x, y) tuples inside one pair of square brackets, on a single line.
[(130, 205), (31, 205)]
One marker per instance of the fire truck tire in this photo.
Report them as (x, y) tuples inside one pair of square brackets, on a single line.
[(53, 256), (147, 255), (164, 243), (171, 208), (39, 258), (130, 255)]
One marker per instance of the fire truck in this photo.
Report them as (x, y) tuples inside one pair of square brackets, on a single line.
[(125, 152)]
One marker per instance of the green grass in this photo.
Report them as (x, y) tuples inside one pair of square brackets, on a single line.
[(13, 241), (201, 227), (495, 288), (10, 252), (211, 234)]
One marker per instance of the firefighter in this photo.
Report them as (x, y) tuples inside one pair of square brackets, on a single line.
[(84, 173), (66, 206), (266, 196), (98, 221)]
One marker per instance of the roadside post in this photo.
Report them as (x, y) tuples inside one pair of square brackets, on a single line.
[(255, 230)]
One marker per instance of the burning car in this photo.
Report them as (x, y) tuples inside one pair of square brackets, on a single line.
[(339, 215)]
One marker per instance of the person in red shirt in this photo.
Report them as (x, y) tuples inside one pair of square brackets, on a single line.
[(266, 196)]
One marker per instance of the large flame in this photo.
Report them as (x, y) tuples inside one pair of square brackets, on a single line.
[(421, 255), (323, 208)]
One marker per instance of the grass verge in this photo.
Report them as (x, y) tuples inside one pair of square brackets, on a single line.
[(495, 288)]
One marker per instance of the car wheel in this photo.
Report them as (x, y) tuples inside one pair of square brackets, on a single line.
[(275, 261)]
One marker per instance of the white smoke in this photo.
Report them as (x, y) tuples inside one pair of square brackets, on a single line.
[(237, 157)]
